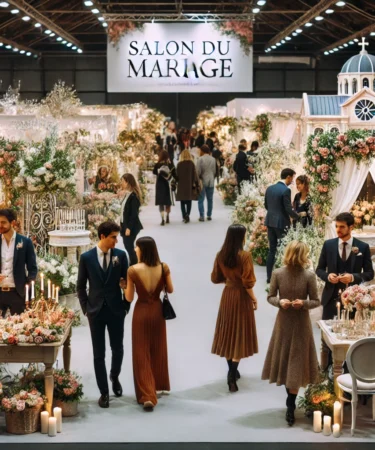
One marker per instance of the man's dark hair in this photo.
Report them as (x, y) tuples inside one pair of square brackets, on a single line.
[(345, 217), (243, 141), (213, 134), (241, 148), (255, 144), (205, 149), (106, 228), (285, 173), (10, 214)]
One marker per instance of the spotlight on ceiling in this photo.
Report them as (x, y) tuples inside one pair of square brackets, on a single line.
[(95, 11), (26, 18), (8, 47), (28, 54), (326, 53), (273, 46), (330, 11), (319, 18), (256, 10), (64, 42), (4, 4), (47, 32), (340, 4), (351, 42), (89, 3), (52, 35), (346, 45), (298, 30), (59, 39), (22, 52), (288, 38), (308, 24), (372, 33), (79, 50), (356, 40), (15, 11), (101, 19), (69, 44), (105, 24), (294, 34), (16, 49), (283, 41), (1, 44), (38, 25), (261, 2), (278, 44)]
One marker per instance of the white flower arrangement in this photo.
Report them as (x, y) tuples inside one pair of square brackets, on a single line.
[(60, 271), (248, 206)]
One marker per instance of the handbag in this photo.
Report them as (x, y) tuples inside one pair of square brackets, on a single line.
[(197, 188), (168, 311)]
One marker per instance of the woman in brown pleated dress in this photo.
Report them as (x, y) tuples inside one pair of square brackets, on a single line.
[(149, 334), (235, 335), (291, 358)]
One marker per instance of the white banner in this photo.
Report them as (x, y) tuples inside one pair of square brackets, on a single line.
[(179, 57)]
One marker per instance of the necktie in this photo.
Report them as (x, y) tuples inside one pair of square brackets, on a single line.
[(105, 265), (344, 251)]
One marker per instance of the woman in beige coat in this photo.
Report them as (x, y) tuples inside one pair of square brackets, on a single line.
[(291, 358)]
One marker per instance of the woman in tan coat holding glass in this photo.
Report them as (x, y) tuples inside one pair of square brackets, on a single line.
[(291, 358), (235, 335)]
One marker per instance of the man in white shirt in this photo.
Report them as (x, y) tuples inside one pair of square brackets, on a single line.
[(103, 268), (17, 264), (343, 261)]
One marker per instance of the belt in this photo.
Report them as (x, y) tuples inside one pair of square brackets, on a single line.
[(233, 284), (7, 289)]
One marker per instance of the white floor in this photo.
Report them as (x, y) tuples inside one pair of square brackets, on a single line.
[(200, 408)]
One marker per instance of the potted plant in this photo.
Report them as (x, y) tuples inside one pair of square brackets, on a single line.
[(68, 392), (22, 407), (319, 397)]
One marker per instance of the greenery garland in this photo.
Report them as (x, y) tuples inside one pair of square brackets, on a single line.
[(323, 153), (10, 154), (262, 125)]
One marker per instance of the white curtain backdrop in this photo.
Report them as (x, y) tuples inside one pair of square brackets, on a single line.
[(284, 130), (351, 177), (372, 171)]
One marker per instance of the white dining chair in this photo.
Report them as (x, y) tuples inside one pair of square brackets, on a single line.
[(360, 380)]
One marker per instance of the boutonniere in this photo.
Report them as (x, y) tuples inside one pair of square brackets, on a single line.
[(115, 261), (355, 250), (19, 245)]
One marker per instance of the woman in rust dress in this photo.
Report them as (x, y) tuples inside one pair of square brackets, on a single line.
[(149, 334), (235, 335)]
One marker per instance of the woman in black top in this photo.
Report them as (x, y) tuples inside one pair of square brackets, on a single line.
[(165, 171), (129, 220), (302, 202)]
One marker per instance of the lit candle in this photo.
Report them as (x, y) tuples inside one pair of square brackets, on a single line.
[(42, 282), (337, 413), (27, 293), (327, 421), (53, 292), (32, 290), (336, 430), (58, 414), (338, 305), (317, 421), (57, 294), (44, 416), (52, 426), (49, 288)]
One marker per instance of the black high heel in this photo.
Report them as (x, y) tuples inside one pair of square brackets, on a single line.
[(232, 384), (289, 416)]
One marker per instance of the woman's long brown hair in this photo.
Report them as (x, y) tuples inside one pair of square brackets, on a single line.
[(132, 182)]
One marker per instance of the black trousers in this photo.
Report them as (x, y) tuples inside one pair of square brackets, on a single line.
[(115, 324), (274, 237), (13, 301), (129, 245), (186, 207)]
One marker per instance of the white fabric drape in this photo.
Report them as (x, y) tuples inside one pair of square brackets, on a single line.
[(372, 171), (351, 177), (284, 130)]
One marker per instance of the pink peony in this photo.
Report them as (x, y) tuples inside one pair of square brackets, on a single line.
[(20, 405), (324, 176)]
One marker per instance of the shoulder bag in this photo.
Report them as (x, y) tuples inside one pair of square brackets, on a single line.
[(168, 311)]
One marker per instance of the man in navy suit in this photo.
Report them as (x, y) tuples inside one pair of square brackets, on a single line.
[(343, 261), (17, 264), (279, 208), (104, 268)]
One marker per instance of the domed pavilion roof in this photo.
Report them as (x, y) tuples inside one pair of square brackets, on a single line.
[(362, 63)]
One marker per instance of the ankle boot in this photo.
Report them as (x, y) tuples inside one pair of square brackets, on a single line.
[(232, 383), (162, 223), (167, 221)]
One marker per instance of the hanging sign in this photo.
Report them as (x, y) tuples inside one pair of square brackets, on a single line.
[(179, 57)]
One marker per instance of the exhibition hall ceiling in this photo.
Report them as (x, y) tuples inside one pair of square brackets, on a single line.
[(280, 27)]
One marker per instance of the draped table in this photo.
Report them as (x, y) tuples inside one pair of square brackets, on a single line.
[(339, 350), (42, 353)]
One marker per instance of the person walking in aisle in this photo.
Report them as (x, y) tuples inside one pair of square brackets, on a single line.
[(241, 166), (17, 264), (291, 357), (235, 335), (104, 267), (149, 335), (206, 169), (129, 218), (279, 211), (211, 141), (188, 184), (253, 158), (165, 171)]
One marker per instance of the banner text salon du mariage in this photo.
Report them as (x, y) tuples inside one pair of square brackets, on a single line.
[(179, 57)]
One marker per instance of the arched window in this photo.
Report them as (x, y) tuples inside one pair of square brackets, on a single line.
[(346, 87), (355, 84), (365, 83), (318, 130), (335, 130)]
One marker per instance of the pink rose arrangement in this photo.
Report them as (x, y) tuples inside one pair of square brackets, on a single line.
[(354, 296), (26, 398), (68, 386)]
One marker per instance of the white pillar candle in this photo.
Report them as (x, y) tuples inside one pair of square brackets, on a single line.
[(337, 413), (42, 282), (32, 290), (44, 416), (49, 288), (317, 421), (338, 305), (52, 426), (58, 414), (27, 293), (327, 422), (53, 292), (57, 294), (336, 430)]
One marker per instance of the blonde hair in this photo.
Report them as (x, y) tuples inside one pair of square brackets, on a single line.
[(186, 156), (296, 254)]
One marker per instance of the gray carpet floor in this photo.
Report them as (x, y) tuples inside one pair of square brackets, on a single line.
[(199, 407)]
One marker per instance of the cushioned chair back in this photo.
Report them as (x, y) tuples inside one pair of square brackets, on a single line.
[(361, 360)]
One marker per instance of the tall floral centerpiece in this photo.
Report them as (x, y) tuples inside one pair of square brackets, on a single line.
[(11, 152), (247, 206), (262, 125)]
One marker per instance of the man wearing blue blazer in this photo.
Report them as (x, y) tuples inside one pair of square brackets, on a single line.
[(104, 268), (17, 264), (343, 261), (279, 208)]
